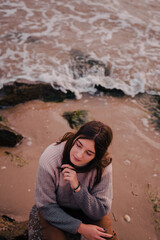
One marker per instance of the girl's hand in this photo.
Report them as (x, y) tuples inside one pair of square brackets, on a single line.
[(70, 175), (93, 232)]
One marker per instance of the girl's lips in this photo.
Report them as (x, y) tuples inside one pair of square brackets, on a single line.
[(76, 159)]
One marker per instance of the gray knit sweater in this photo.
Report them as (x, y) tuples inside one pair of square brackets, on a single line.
[(53, 193)]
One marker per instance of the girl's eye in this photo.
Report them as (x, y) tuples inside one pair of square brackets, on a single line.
[(78, 145), (89, 154)]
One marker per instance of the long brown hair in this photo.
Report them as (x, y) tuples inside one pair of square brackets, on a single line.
[(102, 135)]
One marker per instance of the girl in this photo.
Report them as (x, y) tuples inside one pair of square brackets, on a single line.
[(74, 187)]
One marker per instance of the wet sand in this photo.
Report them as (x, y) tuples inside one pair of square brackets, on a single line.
[(135, 150)]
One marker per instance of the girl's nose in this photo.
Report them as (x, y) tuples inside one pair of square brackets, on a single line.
[(80, 154)]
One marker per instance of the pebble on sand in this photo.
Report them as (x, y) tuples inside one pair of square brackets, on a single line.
[(127, 162), (127, 218)]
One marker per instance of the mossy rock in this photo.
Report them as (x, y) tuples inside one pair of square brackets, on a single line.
[(77, 118), (16, 160), (3, 119), (23, 90), (110, 92), (156, 112), (83, 65), (153, 105), (13, 230)]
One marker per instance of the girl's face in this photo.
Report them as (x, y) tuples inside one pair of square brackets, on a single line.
[(82, 152)]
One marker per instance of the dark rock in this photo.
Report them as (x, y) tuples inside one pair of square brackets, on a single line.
[(14, 36), (31, 39), (6, 218), (23, 236), (82, 65), (9, 137), (154, 108), (77, 118), (3, 238), (13, 230), (111, 92), (23, 90)]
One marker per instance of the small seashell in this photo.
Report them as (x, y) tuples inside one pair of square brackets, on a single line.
[(127, 162), (145, 122), (3, 167), (29, 143), (155, 175), (127, 218)]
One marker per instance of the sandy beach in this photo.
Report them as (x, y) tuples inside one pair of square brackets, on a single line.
[(116, 47), (135, 150)]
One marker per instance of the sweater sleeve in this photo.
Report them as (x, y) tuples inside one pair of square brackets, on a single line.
[(97, 202), (46, 202)]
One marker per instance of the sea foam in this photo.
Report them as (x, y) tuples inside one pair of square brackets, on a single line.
[(37, 37)]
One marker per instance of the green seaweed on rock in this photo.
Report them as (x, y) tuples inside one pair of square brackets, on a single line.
[(154, 198), (77, 118), (17, 160), (152, 104), (13, 230), (155, 111), (3, 119)]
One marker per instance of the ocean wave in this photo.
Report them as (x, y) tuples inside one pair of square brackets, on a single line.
[(36, 40)]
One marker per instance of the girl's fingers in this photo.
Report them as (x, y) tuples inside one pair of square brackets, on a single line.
[(67, 173), (66, 170), (67, 166), (106, 235), (100, 229), (66, 178), (103, 232)]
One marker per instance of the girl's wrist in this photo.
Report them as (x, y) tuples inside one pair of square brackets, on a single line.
[(76, 189), (80, 229)]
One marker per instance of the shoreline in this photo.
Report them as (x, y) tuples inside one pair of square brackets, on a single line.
[(135, 153)]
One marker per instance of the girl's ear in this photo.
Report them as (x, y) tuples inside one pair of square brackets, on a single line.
[(106, 160)]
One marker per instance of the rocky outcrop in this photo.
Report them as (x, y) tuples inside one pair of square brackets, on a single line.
[(23, 90), (83, 65), (8, 136), (13, 230), (111, 92), (77, 118)]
